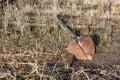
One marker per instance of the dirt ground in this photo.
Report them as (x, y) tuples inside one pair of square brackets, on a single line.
[(32, 42)]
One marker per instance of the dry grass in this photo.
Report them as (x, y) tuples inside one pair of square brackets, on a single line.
[(32, 42)]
